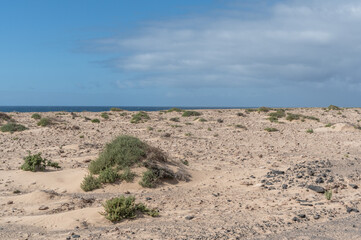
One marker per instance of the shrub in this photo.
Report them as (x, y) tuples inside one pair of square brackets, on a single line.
[(202, 120), (175, 119), (124, 151), (117, 209), (12, 127), (95, 120), (90, 183), (241, 126), (291, 116), (328, 194), (140, 117), (264, 109), (44, 122), (36, 116), (240, 114), (249, 110), (191, 113), (127, 175), (274, 116), (328, 125), (150, 128), (114, 109), (104, 115), (309, 131), (149, 179), (4, 117), (175, 110), (37, 163), (271, 129), (108, 175), (333, 107)]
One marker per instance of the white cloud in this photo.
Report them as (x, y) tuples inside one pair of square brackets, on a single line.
[(308, 41)]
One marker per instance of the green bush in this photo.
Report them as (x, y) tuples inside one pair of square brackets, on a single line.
[(36, 116), (309, 131), (90, 183), (4, 117), (95, 120), (114, 109), (328, 195), (291, 116), (140, 117), (333, 107), (104, 115), (271, 129), (328, 125), (124, 151), (264, 109), (44, 122), (36, 163), (191, 113), (149, 179), (12, 127), (127, 175), (108, 175), (117, 209), (175, 110)]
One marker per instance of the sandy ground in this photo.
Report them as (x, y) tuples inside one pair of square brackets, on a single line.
[(245, 183)]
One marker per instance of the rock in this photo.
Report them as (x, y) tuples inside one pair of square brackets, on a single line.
[(277, 172), (317, 189), (354, 186), (43, 207), (75, 236), (316, 216), (350, 210), (10, 202), (296, 219), (148, 198), (301, 215), (189, 217), (284, 186), (320, 180)]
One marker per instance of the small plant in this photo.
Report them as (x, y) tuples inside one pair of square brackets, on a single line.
[(191, 114), (175, 119), (123, 114), (291, 116), (12, 127), (188, 134), (264, 109), (90, 183), (114, 109), (202, 120), (150, 128), (149, 179), (108, 175), (81, 136), (117, 209), (127, 175), (44, 122), (209, 129), (328, 125), (271, 129), (36, 116), (328, 194), (309, 131), (36, 163), (140, 117), (249, 110), (185, 162), (105, 115), (95, 120), (175, 110)]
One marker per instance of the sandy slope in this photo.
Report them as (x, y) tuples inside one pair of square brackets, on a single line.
[(233, 192)]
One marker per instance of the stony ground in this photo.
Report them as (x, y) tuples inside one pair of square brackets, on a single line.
[(246, 183)]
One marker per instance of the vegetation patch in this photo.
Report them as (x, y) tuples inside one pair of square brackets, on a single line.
[(90, 183), (175, 119), (108, 175), (44, 122), (117, 209), (202, 120), (127, 175), (95, 120), (36, 163), (271, 129), (264, 109), (175, 110), (191, 114), (36, 116), (105, 115), (309, 130), (114, 109), (274, 116), (140, 117), (292, 116), (12, 127), (333, 107), (4, 117), (240, 126)]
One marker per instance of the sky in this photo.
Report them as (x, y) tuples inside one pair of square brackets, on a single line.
[(212, 53)]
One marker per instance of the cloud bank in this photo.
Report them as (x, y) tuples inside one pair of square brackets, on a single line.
[(295, 42)]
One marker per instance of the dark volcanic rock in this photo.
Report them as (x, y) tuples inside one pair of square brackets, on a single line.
[(317, 189), (350, 210), (354, 186)]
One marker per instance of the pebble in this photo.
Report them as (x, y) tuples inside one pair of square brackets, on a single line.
[(317, 189), (354, 186), (43, 207), (189, 217), (350, 210)]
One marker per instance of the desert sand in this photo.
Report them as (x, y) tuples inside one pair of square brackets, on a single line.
[(245, 183)]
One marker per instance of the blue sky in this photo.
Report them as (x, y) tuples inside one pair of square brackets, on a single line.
[(180, 52)]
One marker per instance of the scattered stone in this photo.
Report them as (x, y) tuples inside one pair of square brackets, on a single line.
[(10, 202), (354, 186), (350, 210), (301, 215), (148, 198), (43, 207), (320, 180), (317, 189), (189, 217), (296, 219), (75, 236), (284, 186), (316, 216)]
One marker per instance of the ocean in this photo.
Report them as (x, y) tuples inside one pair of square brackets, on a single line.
[(93, 108)]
